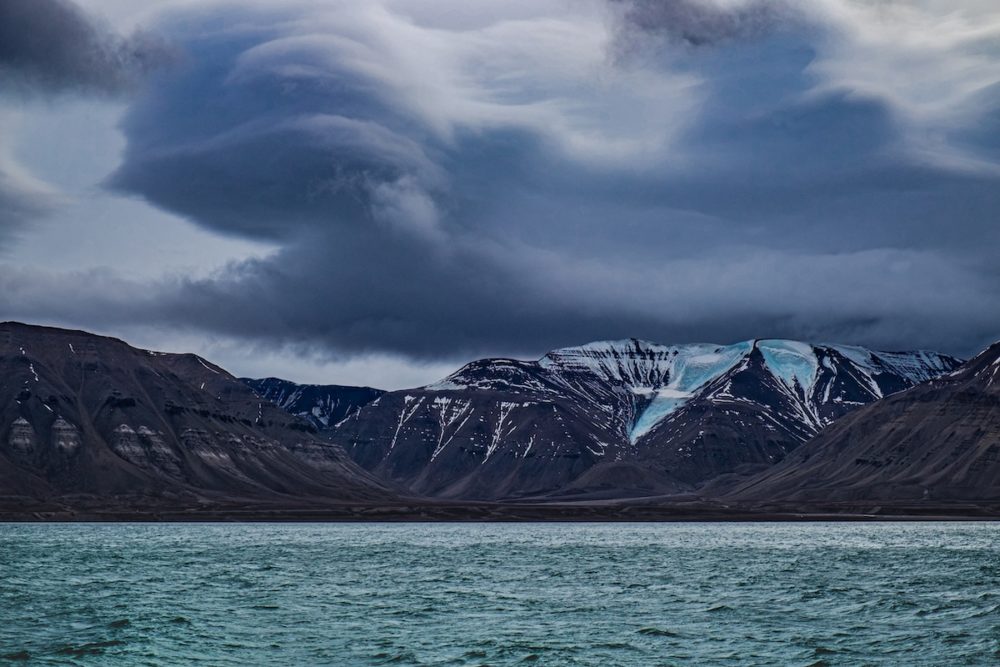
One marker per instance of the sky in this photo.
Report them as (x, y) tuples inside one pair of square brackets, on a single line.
[(374, 193)]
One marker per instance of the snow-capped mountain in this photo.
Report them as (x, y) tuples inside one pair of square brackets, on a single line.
[(618, 417), (323, 405), (938, 442)]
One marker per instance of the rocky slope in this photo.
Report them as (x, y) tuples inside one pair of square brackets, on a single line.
[(939, 441), (323, 405), (619, 418), (86, 415)]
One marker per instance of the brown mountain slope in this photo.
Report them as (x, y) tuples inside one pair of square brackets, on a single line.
[(939, 441), (91, 416)]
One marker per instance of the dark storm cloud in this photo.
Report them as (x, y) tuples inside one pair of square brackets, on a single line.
[(704, 22), (54, 46), (439, 192)]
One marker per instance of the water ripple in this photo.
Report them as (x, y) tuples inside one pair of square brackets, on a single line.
[(500, 594)]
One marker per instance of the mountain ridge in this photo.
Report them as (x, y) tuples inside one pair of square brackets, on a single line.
[(939, 439), (764, 427), (619, 409), (324, 405), (88, 414)]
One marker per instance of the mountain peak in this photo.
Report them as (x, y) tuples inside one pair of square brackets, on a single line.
[(681, 413), (323, 405)]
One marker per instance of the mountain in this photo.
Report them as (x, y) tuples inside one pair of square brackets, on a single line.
[(88, 416), (323, 405), (619, 418), (939, 441)]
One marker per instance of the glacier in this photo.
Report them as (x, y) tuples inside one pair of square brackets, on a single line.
[(666, 377)]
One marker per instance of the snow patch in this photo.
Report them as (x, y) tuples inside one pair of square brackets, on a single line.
[(690, 368), (792, 362), (446, 385), (206, 365)]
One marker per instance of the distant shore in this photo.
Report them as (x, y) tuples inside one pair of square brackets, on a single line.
[(444, 512)]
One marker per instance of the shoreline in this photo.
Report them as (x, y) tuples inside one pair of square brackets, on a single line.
[(494, 513)]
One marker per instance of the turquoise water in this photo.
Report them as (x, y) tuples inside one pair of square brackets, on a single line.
[(501, 594)]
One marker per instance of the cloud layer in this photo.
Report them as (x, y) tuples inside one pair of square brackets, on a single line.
[(442, 181), (54, 46), (51, 48), (706, 22), (21, 199)]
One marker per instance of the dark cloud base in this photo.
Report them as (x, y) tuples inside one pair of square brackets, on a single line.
[(54, 46), (780, 210)]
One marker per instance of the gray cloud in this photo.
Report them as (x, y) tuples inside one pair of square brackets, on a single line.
[(704, 22), (503, 189), (20, 202), (54, 46)]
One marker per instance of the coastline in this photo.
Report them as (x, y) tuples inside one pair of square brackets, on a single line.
[(442, 512)]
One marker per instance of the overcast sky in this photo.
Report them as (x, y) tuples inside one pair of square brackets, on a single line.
[(374, 192)]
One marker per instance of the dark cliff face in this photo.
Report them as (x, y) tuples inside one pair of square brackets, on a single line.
[(322, 405), (85, 414), (623, 418), (939, 441)]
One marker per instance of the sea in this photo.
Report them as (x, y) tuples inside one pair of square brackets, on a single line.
[(500, 594)]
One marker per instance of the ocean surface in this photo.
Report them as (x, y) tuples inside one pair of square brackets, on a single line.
[(501, 594)]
